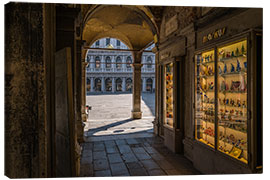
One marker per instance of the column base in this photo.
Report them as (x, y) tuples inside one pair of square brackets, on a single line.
[(136, 115)]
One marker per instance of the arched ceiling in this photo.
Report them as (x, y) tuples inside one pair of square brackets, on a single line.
[(131, 24)]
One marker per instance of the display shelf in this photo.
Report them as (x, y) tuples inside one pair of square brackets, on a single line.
[(168, 119), (226, 59), (206, 63), (233, 74)]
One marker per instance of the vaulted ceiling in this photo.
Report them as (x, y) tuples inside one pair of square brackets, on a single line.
[(134, 25)]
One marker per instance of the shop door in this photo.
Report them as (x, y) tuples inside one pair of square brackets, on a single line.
[(64, 125)]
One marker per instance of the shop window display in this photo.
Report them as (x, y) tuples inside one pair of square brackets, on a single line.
[(232, 100), (223, 109), (169, 95), (205, 98)]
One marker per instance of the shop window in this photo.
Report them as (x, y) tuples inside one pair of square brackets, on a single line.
[(168, 96), (223, 106)]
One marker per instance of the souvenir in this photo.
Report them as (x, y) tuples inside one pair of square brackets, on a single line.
[(243, 84), (227, 102), (206, 71), (235, 85), (232, 54), (243, 49), (245, 65), (238, 68), (237, 52), (211, 86), (211, 58), (228, 55), (238, 103), (210, 70), (225, 68), (232, 68), (219, 70)]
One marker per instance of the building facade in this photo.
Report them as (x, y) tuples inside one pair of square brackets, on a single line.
[(111, 71)]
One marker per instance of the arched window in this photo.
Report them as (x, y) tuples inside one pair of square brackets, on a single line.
[(118, 62), (97, 84), (149, 62), (129, 84), (129, 61), (149, 84), (108, 62), (108, 84), (97, 62), (118, 84)]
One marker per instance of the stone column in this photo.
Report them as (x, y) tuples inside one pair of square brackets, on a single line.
[(113, 84), (136, 95), (92, 62), (144, 84), (102, 84), (103, 64), (92, 84), (124, 84)]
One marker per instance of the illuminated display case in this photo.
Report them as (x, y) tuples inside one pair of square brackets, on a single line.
[(221, 99), (169, 99)]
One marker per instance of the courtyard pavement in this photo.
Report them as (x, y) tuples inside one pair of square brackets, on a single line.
[(116, 145)]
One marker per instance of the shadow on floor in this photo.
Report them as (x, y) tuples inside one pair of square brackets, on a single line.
[(149, 100)]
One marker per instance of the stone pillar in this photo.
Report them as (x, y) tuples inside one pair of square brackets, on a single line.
[(102, 84), (103, 64), (144, 84), (124, 84), (92, 84), (92, 62), (136, 95), (113, 84)]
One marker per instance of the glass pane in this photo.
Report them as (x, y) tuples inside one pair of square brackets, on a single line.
[(232, 100), (205, 98), (169, 94)]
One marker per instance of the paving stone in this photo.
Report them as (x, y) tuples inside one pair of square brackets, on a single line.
[(150, 150), (138, 150), (119, 169), (111, 150), (114, 158), (99, 155), (138, 172), (103, 173), (120, 142), (99, 147), (165, 165), (110, 143), (150, 164), (129, 157), (157, 156), (143, 156), (101, 164), (156, 172), (88, 146), (124, 149), (87, 153), (86, 170), (132, 141), (86, 160), (134, 165)]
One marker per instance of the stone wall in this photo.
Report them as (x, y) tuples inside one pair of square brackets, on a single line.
[(25, 127)]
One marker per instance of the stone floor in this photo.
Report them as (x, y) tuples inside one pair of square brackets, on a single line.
[(116, 145)]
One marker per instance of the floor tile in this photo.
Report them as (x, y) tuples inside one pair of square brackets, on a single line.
[(150, 164), (129, 157), (99, 155), (119, 169), (103, 173), (114, 158), (101, 164)]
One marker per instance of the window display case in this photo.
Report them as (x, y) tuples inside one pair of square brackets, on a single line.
[(205, 97), (169, 100), (232, 100), (221, 97)]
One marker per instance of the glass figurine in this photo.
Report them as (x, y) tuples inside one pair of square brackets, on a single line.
[(232, 69), (237, 52), (238, 68), (245, 64), (225, 68), (219, 70)]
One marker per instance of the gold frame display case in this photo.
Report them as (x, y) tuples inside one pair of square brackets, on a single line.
[(225, 106)]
